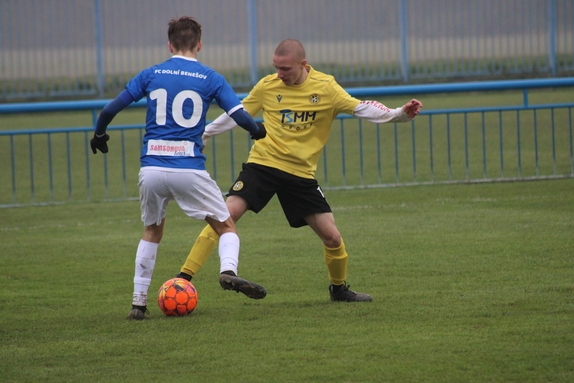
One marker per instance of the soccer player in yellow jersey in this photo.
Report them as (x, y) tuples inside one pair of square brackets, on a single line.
[(298, 105)]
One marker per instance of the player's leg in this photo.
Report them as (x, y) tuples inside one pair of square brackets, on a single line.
[(200, 197), (228, 244), (208, 239), (229, 260), (144, 265), (202, 192), (199, 253), (336, 257), (252, 190), (153, 202), (304, 203)]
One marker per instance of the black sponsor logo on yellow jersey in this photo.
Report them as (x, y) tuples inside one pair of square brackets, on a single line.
[(290, 117)]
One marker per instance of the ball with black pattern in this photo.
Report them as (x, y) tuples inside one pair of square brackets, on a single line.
[(177, 297)]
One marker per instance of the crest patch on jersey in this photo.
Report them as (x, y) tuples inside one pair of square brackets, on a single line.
[(238, 186), (314, 98), (279, 97)]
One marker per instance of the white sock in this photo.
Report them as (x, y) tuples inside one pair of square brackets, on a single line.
[(229, 252), (145, 263)]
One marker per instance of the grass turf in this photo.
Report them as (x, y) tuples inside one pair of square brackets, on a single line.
[(469, 283)]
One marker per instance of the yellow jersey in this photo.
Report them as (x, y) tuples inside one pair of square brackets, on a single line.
[(298, 119)]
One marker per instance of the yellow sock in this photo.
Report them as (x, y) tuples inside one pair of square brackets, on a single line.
[(201, 250), (336, 261)]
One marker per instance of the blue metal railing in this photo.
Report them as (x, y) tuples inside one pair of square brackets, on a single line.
[(359, 92), (440, 146)]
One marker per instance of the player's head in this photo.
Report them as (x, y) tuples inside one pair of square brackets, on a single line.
[(289, 62), (184, 34)]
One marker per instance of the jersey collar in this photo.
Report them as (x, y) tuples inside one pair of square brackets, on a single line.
[(183, 57)]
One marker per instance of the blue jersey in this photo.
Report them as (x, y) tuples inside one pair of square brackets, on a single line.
[(179, 92)]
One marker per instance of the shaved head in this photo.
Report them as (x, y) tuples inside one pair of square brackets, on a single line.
[(289, 62), (292, 48)]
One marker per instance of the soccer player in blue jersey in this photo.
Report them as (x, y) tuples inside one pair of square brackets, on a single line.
[(179, 92)]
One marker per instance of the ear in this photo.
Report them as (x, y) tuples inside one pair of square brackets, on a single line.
[(199, 46), (170, 47)]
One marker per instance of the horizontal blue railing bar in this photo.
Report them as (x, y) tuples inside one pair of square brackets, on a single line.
[(59, 106), (68, 130), (479, 86), (341, 116), (355, 92)]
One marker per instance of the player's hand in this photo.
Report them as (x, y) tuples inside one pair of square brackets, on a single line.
[(412, 108), (261, 134), (99, 143)]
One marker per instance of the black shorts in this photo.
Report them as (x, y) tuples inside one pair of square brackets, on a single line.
[(299, 197)]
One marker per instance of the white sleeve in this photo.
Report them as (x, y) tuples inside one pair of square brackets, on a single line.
[(376, 112), (220, 125)]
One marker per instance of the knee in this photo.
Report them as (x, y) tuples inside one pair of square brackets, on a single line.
[(333, 241), (221, 228), (224, 229)]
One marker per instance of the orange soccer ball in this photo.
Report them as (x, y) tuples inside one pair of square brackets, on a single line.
[(177, 297)]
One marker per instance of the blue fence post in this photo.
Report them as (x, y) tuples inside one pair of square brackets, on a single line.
[(501, 141), (414, 149), (253, 41), (69, 165), (466, 156), (448, 147), (232, 157), (396, 142), (431, 153), (552, 37), (31, 156), (483, 132), (361, 159), (99, 53), (13, 159), (404, 45), (518, 146), (87, 159), (379, 159), (571, 141), (535, 131), (553, 132), (343, 159)]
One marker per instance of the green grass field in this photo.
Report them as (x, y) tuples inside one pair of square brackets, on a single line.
[(470, 283)]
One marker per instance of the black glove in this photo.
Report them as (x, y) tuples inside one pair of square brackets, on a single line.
[(99, 143), (261, 133)]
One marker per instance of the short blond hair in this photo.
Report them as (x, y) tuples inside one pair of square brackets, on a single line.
[(290, 47)]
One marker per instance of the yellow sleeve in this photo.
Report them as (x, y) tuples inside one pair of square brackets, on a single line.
[(253, 103), (343, 101)]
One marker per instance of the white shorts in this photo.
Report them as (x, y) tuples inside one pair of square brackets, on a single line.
[(194, 190)]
